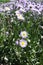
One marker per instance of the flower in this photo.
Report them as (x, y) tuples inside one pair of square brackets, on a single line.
[(7, 33), (24, 34), (5, 58), (19, 5), (19, 15), (38, 5), (23, 43), (41, 8), (17, 42), (30, 6), (7, 8), (33, 3), (1, 9)]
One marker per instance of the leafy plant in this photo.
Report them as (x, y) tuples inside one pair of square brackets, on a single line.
[(20, 36)]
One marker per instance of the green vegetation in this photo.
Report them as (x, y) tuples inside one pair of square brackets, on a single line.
[(4, 0)]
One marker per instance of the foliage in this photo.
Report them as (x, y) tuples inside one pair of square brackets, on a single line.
[(10, 28), (4, 0)]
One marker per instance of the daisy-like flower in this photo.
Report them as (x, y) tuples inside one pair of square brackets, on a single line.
[(23, 43), (38, 5), (19, 15), (6, 8), (24, 34), (30, 6)]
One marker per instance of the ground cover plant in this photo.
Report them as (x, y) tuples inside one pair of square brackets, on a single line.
[(21, 33)]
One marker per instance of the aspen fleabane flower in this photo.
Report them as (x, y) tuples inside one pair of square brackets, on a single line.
[(24, 34), (23, 43), (19, 15), (7, 8)]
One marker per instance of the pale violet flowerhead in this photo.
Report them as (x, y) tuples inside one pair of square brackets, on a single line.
[(19, 5), (1, 9), (33, 3), (23, 43), (31, 6), (23, 34), (41, 8), (38, 5), (19, 15), (17, 42)]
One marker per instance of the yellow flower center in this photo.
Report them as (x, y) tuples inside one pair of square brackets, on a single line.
[(20, 16), (23, 43), (24, 34)]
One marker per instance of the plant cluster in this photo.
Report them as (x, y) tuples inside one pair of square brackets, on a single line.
[(20, 33)]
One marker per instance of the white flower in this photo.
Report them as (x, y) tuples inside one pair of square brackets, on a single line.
[(6, 8), (5, 58), (41, 37), (24, 34), (23, 43), (7, 32), (19, 15)]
